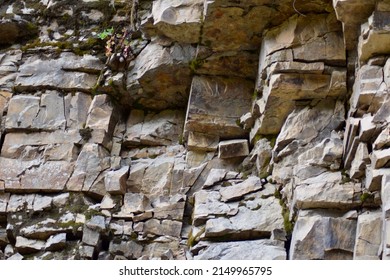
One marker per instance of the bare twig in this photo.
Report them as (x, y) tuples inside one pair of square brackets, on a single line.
[(297, 10)]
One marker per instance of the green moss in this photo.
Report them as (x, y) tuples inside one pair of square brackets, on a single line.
[(288, 225), (366, 196), (271, 138), (193, 239), (254, 95), (195, 64), (278, 194), (92, 212)]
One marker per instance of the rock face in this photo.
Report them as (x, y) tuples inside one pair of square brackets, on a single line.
[(191, 129)]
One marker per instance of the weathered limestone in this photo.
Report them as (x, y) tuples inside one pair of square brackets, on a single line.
[(303, 130), (37, 73), (320, 235), (380, 158), (202, 142), (26, 246), (161, 82), (34, 175), (254, 250), (237, 191), (248, 222), (216, 104), (90, 164), (352, 13), (9, 62), (128, 249), (162, 129), (326, 191), (285, 82), (375, 36), (368, 82), (358, 165), (101, 162), (178, 20)]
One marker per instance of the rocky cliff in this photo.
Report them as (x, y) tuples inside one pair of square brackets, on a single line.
[(195, 129)]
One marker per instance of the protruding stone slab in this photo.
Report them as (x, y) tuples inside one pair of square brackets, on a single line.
[(326, 195), (237, 191), (179, 20), (27, 246), (380, 158), (56, 242), (374, 177), (358, 165), (233, 148), (216, 104), (368, 81), (383, 139), (202, 142)]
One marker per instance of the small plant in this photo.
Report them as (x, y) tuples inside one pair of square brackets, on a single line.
[(106, 33)]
